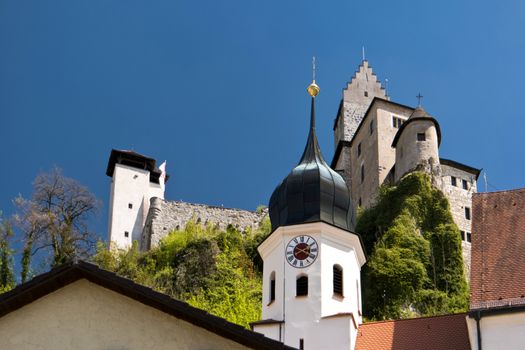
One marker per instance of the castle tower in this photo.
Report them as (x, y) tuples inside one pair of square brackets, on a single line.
[(416, 143), (135, 179), (357, 95), (312, 258)]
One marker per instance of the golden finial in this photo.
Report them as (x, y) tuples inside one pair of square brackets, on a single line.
[(313, 89)]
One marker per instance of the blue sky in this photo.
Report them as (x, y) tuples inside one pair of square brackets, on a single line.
[(217, 88)]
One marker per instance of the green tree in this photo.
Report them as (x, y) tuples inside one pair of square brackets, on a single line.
[(7, 280), (415, 263)]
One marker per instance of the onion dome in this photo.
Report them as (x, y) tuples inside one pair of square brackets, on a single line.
[(419, 114), (312, 191)]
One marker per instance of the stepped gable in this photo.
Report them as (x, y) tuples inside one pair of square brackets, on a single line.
[(312, 191), (357, 96), (425, 333), (497, 277)]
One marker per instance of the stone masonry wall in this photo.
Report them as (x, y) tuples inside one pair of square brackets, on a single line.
[(459, 199), (166, 216)]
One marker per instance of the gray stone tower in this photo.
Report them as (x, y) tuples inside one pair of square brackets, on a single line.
[(416, 143), (357, 95)]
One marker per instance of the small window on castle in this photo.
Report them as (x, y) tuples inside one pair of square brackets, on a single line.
[(338, 280), (462, 235), (469, 237), (301, 344), (362, 173), (359, 149), (397, 122), (453, 181), (421, 136), (366, 93), (465, 184), (360, 202), (301, 286), (371, 127), (126, 234), (467, 213), (130, 205), (272, 286)]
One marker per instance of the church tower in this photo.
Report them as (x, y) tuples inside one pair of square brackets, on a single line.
[(312, 259)]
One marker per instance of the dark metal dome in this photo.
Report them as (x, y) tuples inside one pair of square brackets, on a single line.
[(312, 191)]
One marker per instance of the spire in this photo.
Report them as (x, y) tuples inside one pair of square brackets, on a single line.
[(312, 152)]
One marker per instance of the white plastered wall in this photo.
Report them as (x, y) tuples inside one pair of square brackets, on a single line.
[(130, 186), (312, 318), (85, 316), (503, 331)]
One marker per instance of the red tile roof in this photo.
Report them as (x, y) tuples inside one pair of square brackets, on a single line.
[(498, 249), (436, 333)]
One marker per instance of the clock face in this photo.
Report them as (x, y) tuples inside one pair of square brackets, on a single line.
[(301, 251)]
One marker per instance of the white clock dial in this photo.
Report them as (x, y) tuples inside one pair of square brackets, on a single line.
[(301, 251)]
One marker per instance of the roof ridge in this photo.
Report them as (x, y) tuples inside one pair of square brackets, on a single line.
[(415, 318)]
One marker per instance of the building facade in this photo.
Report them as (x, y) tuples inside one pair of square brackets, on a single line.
[(378, 141)]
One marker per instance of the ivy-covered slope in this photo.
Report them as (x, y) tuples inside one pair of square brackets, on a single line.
[(217, 271), (415, 265)]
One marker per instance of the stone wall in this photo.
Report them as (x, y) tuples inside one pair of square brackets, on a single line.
[(166, 216), (459, 199)]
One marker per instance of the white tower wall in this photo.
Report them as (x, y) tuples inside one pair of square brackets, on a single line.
[(131, 191), (321, 319)]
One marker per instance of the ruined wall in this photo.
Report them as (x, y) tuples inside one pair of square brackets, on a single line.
[(166, 216)]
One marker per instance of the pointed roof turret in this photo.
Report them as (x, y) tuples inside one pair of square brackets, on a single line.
[(312, 191), (419, 114)]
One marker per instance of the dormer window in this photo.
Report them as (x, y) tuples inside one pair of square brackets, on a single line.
[(302, 286)]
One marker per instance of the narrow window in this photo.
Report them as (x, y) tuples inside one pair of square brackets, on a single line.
[(421, 136), (469, 237), (301, 344), (130, 206), (338, 280), (467, 213), (272, 286), (362, 173), (302, 286), (359, 149), (465, 184), (371, 127), (360, 202), (126, 234), (462, 235), (394, 122), (453, 181), (366, 93)]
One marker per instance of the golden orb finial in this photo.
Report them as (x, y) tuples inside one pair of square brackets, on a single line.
[(313, 89)]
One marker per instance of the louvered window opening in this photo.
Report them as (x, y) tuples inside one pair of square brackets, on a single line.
[(338, 280), (302, 286)]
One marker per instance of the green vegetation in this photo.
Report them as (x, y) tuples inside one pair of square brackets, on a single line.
[(415, 266), (7, 279), (217, 271)]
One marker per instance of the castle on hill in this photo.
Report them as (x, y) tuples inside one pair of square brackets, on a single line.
[(377, 141)]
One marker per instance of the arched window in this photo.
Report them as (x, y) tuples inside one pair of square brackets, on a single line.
[(338, 280), (272, 286), (302, 286)]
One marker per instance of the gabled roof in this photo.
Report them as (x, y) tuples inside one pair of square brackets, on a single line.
[(70, 272), (436, 333), (460, 166), (344, 143), (497, 278)]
